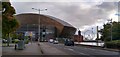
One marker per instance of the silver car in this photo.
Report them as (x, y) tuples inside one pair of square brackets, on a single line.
[(55, 41)]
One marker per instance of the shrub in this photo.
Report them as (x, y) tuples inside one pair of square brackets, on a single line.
[(26, 41), (113, 44), (26, 37), (16, 40)]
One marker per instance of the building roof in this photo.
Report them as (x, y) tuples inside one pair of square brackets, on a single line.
[(51, 17)]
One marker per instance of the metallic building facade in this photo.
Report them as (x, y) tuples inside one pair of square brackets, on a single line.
[(50, 27)]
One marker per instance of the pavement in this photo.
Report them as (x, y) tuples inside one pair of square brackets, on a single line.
[(99, 47), (30, 49), (50, 50), (46, 48), (94, 45)]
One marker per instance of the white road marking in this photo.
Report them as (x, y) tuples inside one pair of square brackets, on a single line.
[(76, 51), (93, 49), (71, 49), (83, 53)]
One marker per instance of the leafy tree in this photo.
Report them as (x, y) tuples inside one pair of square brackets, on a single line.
[(116, 31), (0, 26), (9, 23), (106, 31), (0, 5)]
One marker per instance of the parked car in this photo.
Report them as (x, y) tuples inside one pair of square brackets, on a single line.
[(55, 41), (69, 42), (4, 40), (51, 40)]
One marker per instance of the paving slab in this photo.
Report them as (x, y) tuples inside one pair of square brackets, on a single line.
[(30, 49), (50, 50)]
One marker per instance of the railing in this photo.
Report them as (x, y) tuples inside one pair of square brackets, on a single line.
[(91, 43)]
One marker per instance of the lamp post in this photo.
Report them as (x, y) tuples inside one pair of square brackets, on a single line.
[(27, 27), (111, 27), (27, 30), (39, 22), (92, 34), (34, 27), (97, 36)]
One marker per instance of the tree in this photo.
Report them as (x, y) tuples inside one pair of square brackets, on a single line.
[(0, 6), (106, 31), (0, 20), (9, 23), (116, 31)]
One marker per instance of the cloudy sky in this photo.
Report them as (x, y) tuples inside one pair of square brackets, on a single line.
[(84, 15)]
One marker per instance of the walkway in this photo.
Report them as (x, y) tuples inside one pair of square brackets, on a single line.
[(31, 49), (50, 50)]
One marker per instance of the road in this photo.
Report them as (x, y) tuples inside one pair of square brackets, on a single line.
[(77, 50)]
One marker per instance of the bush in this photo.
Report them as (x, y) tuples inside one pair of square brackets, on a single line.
[(113, 44), (26, 37), (16, 40), (26, 41)]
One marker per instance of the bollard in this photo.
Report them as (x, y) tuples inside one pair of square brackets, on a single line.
[(38, 44), (15, 46)]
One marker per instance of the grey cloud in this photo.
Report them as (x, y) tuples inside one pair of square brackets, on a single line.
[(70, 12), (108, 5)]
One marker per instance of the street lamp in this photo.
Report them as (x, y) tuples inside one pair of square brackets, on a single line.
[(34, 29), (39, 22), (111, 27), (27, 27)]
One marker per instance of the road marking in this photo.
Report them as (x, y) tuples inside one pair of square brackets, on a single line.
[(93, 49), (76, 51), (83, 53), (84, 48), (71, 49)]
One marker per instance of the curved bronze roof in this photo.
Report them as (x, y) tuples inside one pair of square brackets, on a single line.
[(32, 16)]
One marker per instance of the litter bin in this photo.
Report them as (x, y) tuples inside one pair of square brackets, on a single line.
[(21, 45)]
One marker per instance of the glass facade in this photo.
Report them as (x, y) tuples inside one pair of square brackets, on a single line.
[(46, 31)]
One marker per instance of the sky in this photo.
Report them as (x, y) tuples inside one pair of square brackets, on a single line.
[(82, 14)]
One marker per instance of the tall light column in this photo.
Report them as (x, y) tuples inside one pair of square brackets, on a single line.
[(97, 36), (111, 27), (39, 21)]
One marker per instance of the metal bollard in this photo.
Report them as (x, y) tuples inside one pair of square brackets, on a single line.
[(15, 46)]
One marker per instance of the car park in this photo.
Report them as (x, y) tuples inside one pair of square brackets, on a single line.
[(4, 40)]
